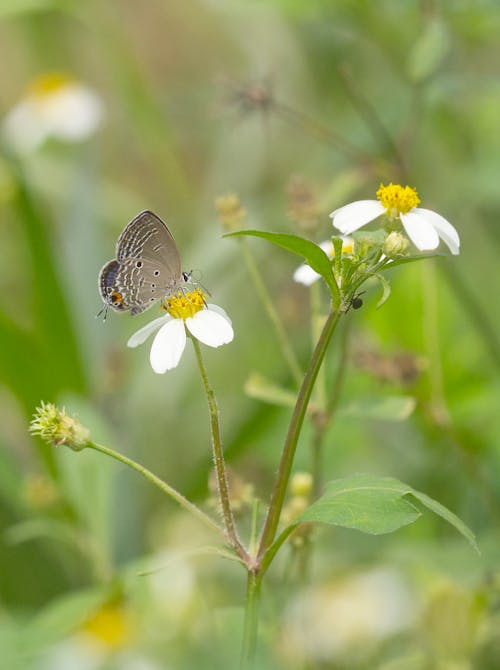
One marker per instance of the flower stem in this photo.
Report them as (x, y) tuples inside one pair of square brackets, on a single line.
[(218, 456), (251, 619), (166, 488), (331, 405), (267, 303), (294, 428)]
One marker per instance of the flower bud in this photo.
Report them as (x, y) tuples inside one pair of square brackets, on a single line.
[(301, 484), (395, 244), (56, 427), (230, 211)]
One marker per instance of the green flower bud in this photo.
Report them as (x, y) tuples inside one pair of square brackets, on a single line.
[(395, 244), (301, 484), (56, 427)]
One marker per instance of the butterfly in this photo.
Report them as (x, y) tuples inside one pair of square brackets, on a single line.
[(146, 269)]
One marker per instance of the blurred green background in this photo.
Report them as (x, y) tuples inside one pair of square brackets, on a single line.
[(297, 106)]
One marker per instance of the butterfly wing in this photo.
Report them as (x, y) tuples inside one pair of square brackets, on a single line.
[(148, 238), (134, 284), (147, 266)]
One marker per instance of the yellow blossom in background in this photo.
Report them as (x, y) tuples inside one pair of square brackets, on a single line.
[(110, 625)]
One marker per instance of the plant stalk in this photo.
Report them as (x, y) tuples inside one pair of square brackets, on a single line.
[(219, 461), (294, 429), (250, 625)]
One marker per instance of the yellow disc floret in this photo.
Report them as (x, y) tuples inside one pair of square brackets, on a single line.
[(185, 305), (47, 84), (397, 199)]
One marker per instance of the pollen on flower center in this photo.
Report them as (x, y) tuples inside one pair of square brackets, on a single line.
[(47, 84), (397, 199), (185, 305)]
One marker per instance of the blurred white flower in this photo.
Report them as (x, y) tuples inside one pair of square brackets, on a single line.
[(304, 274), (332, 620), (423, 226), (55, 106), (208, 323)]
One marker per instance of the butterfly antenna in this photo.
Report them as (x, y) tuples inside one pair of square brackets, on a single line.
[(105, 310)]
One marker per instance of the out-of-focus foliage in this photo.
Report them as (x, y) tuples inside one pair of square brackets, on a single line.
[(299, 107)]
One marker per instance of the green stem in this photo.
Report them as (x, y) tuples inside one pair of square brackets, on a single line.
[(166, 488), (218, 456), (251, 621), (294, 429), (273, 316)]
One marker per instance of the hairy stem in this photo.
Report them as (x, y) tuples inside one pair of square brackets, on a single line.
[(218, 456)]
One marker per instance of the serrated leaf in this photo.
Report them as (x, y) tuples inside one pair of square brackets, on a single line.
[(385, 408), (376, 505), (312, 254), (386, 290)]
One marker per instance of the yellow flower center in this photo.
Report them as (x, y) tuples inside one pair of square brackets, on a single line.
[(47, 84), (185, 305), (397, 199), (109, 625)]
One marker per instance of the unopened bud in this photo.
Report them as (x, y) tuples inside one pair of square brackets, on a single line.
[(57, 428), (230, 211), (395, 244), (301, 484)]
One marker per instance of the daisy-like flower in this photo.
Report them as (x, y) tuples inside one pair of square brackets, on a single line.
[(54, 106), (304, 274), (423, 226), (208, 323)]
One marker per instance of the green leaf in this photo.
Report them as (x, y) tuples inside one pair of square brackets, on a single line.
[(386, 290), (404, 261), (385, 408), (364, 502), (429, 50), (14, 8), (312, 253), (376, 505), (257, 386), (66, 614)]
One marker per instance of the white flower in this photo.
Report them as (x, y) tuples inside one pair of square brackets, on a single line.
[(54, 106), (208, 323), (423, 226), (304, 274)]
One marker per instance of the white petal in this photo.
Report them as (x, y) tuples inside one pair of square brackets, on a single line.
[(219, 310), (420, 231), (444, 228), (143, 333), (72, 113), (210, 327), (168, 345), (304, 274), (327, 247), (349, 218), (23, 129)]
